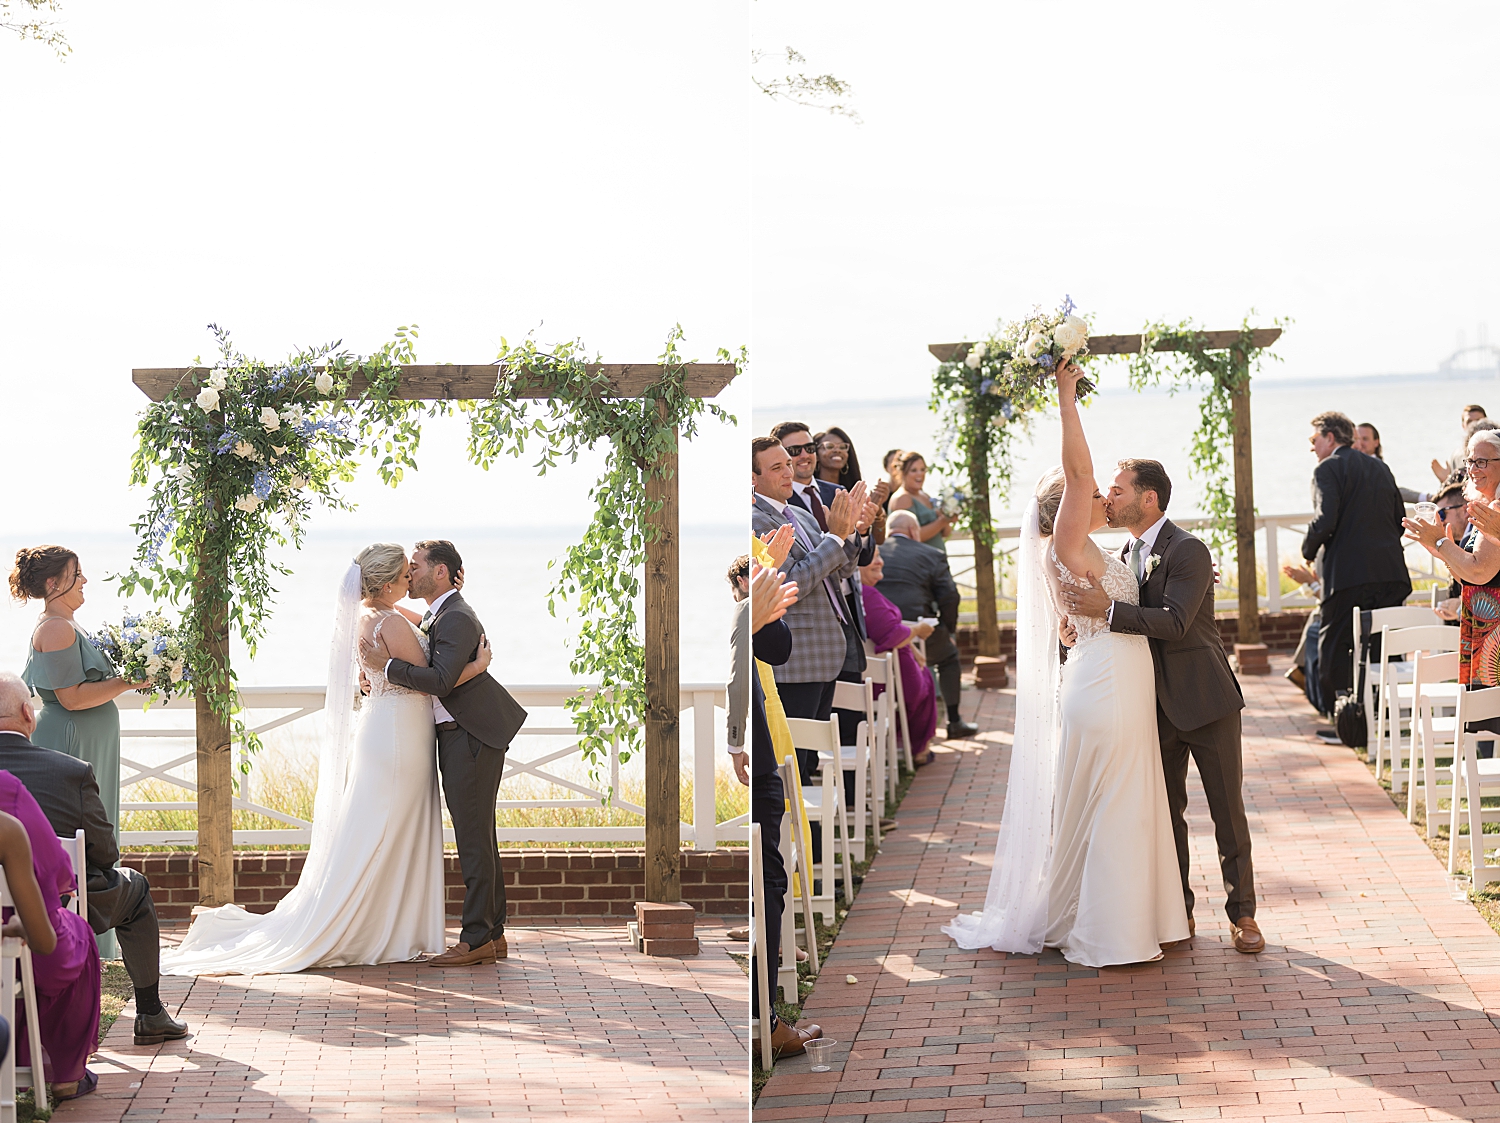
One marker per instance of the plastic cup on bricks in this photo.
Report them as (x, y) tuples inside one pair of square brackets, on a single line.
[(1458, 888), (820, 1053), (1427, 512)]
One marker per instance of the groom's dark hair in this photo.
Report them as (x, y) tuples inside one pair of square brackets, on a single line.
[(440, 551), (1150, 476)]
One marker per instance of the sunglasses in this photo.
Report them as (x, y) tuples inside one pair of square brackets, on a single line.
[(800, 450), (1442, 512)]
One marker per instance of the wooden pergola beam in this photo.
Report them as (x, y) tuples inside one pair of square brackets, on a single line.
[(450, 382), (1244, 477)]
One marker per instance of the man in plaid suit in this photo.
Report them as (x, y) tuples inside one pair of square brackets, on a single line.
[(823, 635)]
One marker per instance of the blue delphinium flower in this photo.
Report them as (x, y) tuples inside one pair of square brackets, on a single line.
[(1067, 305), (280, 377), (227, 440), (1007, 409), (132, 637), (160, 531), (261, 485), (160, 646), (132, 619), (1046, 360), (985, 384)]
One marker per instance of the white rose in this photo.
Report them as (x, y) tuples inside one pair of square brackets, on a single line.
[(217, 379), (324, 383), (208, 399), (297, 482), (177, 671), (973, 359), (279, 450), (270, 421), (1071, 335), (153, 666), (293, 414), (247, 503), (244, 449), (1036, 343)]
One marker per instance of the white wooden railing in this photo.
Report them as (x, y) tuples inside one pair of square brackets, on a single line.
[(1272, 550), (272, 707)]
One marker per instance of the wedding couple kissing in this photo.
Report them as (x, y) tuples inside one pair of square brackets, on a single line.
[(1092, 857), (371, 890)]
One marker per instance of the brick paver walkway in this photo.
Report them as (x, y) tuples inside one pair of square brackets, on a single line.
[(1370, 1001), (574, 1025)]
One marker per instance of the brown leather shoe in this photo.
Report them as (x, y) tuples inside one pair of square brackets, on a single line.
[(1247, 937), (788, 1040), (462, 955)]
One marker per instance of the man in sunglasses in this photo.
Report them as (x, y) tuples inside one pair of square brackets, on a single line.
[(1355, 540), (1453, 514)]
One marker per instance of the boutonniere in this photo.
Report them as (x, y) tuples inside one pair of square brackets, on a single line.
[(426, 625), (1152, 561)]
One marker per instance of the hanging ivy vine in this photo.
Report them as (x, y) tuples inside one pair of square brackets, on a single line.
[(1217, 374), (601, 574), (235, 460)]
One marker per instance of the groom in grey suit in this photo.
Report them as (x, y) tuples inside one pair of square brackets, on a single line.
[(475, 725), (1198, 699)]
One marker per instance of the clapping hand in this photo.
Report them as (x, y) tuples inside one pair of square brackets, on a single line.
[(771, 594), (1300, 574), (1428, 534), (880, 493), (778, 543), (843, 513), (1486, 518)]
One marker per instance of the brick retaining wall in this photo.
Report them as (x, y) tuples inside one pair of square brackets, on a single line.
[(1279, 631), (537, 882)]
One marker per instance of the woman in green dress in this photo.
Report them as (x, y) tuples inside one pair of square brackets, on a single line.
[(77, 684), (934, 524)]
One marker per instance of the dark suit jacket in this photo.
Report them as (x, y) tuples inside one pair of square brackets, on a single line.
[(68, 794), (1355, 532), (481, 706), (773, 645), (1194, 685), (918, 582)]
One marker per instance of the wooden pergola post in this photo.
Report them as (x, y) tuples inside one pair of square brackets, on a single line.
[(662, 720), (1244, 490)]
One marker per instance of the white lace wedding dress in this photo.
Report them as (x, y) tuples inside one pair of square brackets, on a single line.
[(1114, 893), (372, 888)]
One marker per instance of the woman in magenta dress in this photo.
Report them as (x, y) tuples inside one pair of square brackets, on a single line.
[(886, 630), (67, 979)]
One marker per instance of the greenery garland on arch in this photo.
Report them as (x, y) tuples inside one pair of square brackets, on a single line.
[(236, 462), (1218, 373)]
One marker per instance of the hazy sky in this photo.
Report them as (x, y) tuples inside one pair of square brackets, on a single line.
[(1329, 162), (306, 172)]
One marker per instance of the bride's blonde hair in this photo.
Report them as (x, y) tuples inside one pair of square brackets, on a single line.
[(379, 563), (1049, 493)]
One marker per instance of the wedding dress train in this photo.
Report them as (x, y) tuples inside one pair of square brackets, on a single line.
[(372, 888)]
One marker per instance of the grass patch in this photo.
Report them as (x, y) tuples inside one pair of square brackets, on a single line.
[(288, 786), (826, 934)]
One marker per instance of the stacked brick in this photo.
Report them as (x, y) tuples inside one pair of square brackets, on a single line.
[(537, 882)]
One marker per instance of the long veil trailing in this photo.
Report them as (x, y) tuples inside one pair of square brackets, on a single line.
[(1015, 908)]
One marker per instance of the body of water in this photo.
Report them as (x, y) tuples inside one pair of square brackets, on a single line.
[(1417, 415)]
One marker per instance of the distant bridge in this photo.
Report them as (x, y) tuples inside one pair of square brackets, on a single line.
[(1480, 357)]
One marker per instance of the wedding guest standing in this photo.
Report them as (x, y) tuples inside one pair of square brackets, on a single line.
[(1354, 539), (933, 525), (1367, 441), (838, 467), (76, 682)]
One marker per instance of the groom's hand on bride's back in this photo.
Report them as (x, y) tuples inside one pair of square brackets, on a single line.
[(1093, 601), (373, 653)]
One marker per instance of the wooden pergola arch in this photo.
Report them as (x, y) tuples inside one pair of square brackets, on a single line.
[(662, 638), (1244, 478)]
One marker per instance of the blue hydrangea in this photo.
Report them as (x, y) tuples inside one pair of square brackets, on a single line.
[(985, 384), (261, 485), (160, 646), (132, 637), (1047, 361)]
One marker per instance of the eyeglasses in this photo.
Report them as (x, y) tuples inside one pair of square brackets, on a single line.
[(1480, 462), (800, 450), (834, 446), (1442, 512)]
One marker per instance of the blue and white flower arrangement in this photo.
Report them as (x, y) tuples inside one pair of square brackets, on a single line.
[(147, 647)]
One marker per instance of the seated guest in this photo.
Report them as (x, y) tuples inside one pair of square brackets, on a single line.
[(917, 581), (1304, 668), (888, 633), (68, 794), (932, 524), (1453, 513), (1367, 441)]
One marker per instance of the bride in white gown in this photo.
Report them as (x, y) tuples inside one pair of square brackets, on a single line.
[(372, 888), (1085, 861)]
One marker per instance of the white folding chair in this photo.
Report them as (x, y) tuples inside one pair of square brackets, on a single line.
[(1476, 779), (1402, 616), (903, 726), (758, 943), (1403, 645), (12, 1075), (826, 804), (883, 742), (74, 849), (1434, 689), (855, 758), (794, 846)]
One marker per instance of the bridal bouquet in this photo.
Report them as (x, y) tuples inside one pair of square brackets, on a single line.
[(147, 647), (1030, 349), (951, 501)]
